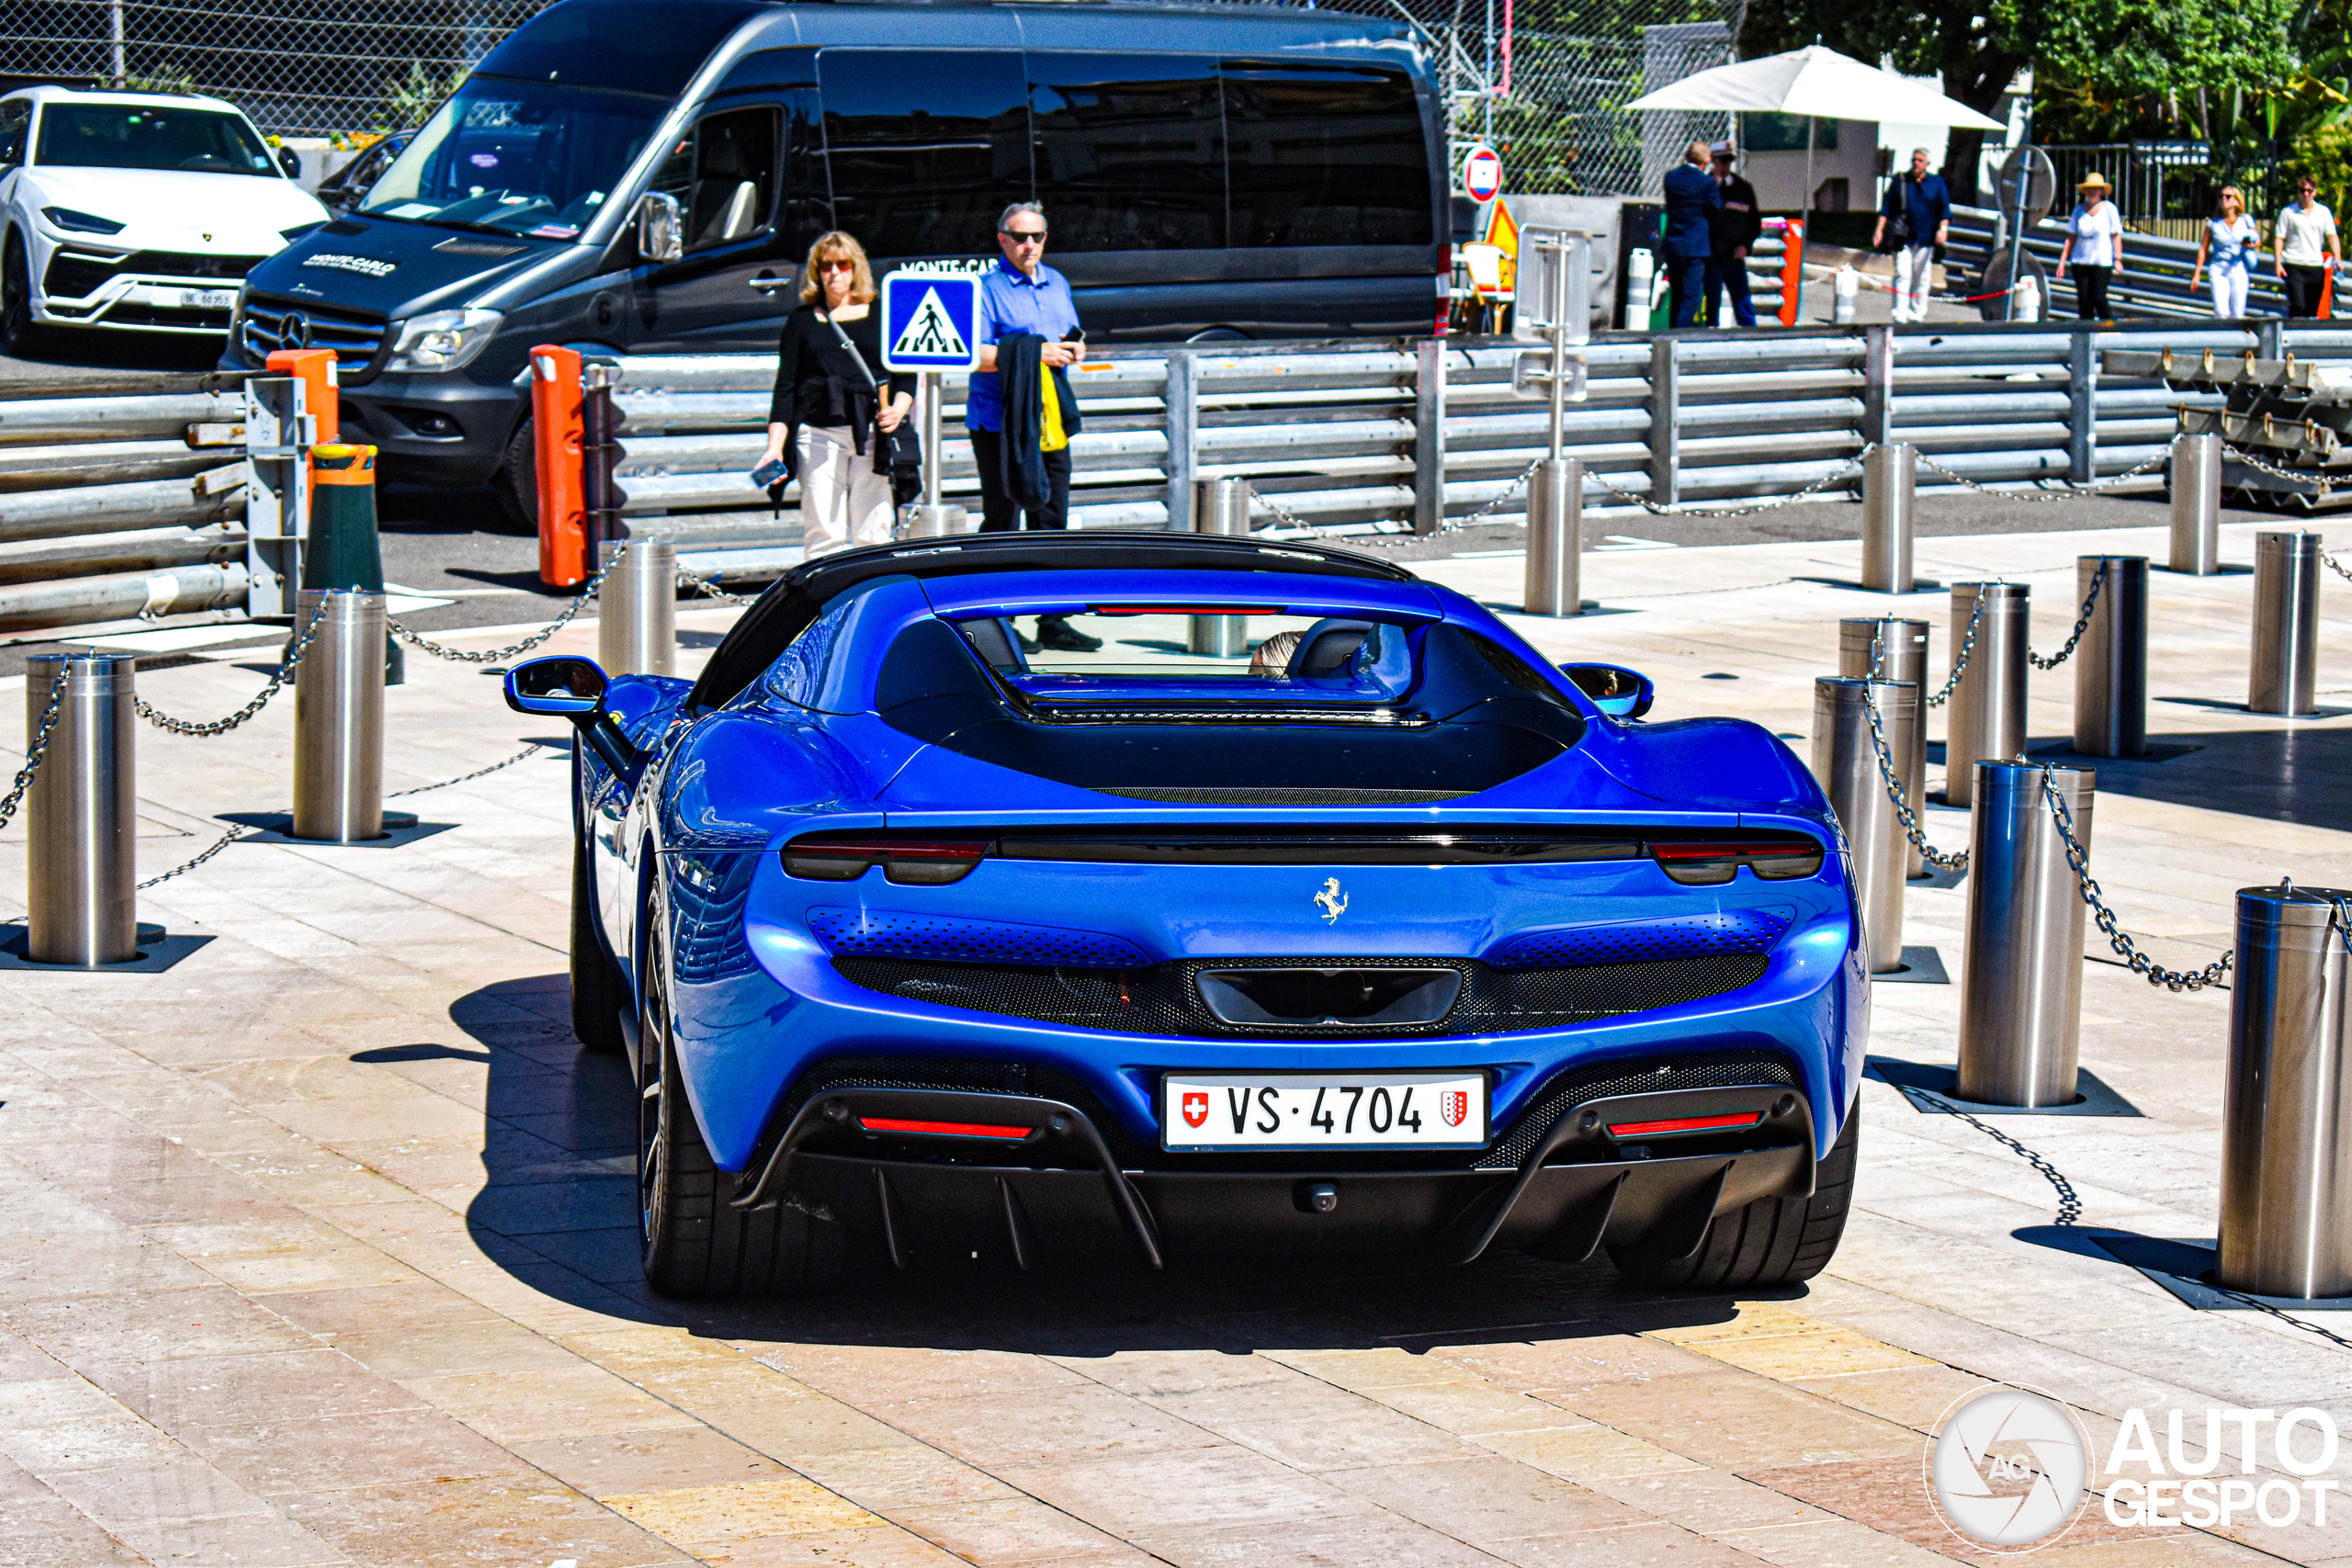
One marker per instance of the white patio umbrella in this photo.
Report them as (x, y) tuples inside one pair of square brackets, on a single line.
[(1819, 84)]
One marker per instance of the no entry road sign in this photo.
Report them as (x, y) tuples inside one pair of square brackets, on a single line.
[(1482, 172), (931, 321)]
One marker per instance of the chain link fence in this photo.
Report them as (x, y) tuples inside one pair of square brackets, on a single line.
[(313, 67)]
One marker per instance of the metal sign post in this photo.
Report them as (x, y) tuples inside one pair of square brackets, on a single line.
[(931, 324), (1555, 305)]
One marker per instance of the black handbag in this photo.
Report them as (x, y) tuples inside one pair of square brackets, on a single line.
[(1899, 228)]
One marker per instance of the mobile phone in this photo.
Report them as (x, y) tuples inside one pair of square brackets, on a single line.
[(772, 472)]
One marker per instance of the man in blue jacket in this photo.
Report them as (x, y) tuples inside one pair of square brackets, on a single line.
[(1923, 203), (1692, 200)]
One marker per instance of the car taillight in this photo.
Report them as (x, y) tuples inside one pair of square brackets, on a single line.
[(944, 1129), (1737, 1120), (1774, 860), (923, 862)]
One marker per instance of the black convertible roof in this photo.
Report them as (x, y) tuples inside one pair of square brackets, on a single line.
[(801, 594)]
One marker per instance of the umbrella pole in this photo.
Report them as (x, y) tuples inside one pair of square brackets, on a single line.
[(1806, 205)]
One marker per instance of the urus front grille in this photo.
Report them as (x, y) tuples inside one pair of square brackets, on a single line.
[(75, 274), (1165, 998)]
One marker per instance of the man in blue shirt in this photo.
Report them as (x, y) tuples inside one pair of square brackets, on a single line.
[(1691, 200), (1924, 203), (1021, 294)]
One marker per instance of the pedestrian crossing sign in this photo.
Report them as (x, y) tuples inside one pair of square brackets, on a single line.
[(931, 321)]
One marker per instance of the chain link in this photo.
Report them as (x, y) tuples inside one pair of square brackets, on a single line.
[(1959, 659), (704, 585), (2308, 476), (223, 841), (278, 677), (1285, 517), (1887, 770), (37, 747), (2140, 962), (2335, 566), (588, 591), (1677, 509), (532, 750), (2082, 623), (2072, 492)]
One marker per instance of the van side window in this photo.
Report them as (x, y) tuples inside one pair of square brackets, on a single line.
[(927, 146), (1130, 150), (1324, 156), (722, 175), (13, 120)]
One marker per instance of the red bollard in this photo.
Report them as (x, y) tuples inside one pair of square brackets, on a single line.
[(563, 508)]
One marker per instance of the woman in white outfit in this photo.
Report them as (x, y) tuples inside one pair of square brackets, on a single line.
[(834, 403), (2226, 253)]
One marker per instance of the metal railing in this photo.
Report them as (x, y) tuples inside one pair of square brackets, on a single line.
[(2154, 282)]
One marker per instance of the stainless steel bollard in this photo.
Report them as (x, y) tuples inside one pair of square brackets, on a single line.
[(2287, 1117), (2021, 999), (339, 719), (82, 899), (2286, 623), (1902, 649), (2197, 505), (1846, 762), (636, 609), (1220, 506), (2111, 661), (1890, 476), (1554, 584), (1987, 714), (917, 521)]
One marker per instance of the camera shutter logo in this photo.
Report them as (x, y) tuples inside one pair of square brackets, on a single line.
[(2008, 1468)]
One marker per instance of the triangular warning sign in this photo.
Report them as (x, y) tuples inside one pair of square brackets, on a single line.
[(931, 331)]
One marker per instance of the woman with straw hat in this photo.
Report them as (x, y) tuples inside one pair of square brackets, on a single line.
[(2094, 247)]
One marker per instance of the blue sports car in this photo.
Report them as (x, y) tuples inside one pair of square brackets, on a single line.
[(962, 909)]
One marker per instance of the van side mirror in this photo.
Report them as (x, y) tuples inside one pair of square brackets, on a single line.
[(661, 228), (1620, 693), (290, 162), (564, 687)]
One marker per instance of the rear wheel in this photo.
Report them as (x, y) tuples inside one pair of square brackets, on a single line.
[(516, 483), (598, 991), (19, 332), (694, 1243), (1774, 1241)]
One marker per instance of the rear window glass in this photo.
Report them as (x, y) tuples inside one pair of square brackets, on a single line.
[(1274, 657)]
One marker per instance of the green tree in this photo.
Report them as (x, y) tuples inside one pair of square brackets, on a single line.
[(2109, 69)]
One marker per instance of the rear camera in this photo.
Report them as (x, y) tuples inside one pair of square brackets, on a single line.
[(1317, 1196)]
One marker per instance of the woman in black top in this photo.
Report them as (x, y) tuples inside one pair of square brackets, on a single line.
[(832, 397)]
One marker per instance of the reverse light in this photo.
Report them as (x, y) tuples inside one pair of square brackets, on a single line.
[(1702, 864), (942, 1129), (924, 863), (81, 222), (442, 339), (1737, 1118)]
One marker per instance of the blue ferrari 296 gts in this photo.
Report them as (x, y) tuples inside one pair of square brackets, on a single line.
[(930, 927)]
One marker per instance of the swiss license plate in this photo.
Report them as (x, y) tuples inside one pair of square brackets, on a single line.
[(208, 298), (1292, 1111)]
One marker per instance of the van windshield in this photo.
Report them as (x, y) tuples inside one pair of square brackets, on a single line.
[(528, 158)]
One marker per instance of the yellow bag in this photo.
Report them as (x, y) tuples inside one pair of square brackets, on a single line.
[(1051, 437)]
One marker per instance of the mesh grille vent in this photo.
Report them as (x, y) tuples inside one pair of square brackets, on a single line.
[(1602, 1080), (1733, 931), (862, 933)]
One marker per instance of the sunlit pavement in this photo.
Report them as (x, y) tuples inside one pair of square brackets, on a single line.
[(322, 1249)]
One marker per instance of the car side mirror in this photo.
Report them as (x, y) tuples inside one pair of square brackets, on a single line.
[(1619, 691), (290, 162), (564, 687), (661, 228)]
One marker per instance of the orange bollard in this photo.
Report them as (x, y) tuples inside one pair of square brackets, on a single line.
[(556, 444), (2327, 294), (314, 367), (1791, 269)]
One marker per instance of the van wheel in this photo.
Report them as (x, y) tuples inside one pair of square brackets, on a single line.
[(694, 1241), (516, 483), (19, 335), (1774, 1241)]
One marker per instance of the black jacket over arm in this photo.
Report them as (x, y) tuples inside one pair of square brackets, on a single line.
[(1020, 360)]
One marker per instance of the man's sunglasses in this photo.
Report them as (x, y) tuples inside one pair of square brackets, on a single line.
[(1025, 236)]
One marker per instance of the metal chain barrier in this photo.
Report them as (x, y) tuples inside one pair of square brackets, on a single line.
[(1677, 509), (2335, 566), (35, 748), (2072, 492), (284, 670), (1285, 517), (223, 841), (2139, 961), (2259, 466), (1959, 659), (533, 748), (588, 591), (2082, 623), (1904, 813), (704, 585)]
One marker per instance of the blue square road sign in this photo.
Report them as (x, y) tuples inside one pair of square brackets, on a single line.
[(931, 321)]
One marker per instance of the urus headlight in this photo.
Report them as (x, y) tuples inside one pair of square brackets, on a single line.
[(442, 339)]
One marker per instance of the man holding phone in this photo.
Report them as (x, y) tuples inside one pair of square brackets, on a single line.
[(1021, 294)]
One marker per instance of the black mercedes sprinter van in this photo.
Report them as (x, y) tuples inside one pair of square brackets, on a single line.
[(619, 175)]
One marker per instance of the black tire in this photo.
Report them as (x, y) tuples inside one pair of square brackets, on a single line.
[(19, 335), (516, 483), (1774, 1241), (694, 1243), (599, 995)]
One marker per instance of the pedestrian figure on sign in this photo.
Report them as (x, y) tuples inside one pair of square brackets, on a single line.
[(1913, 220), (2094, 247), (2226, 253), (1735, 226), (1693, 198), (2308, 248)]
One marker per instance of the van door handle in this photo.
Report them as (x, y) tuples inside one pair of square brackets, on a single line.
[(768, 283)]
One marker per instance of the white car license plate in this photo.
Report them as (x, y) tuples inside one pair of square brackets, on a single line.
[(208, 298), (1292, 1111)]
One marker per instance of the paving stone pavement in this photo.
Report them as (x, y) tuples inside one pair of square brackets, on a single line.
[(324, 1250)]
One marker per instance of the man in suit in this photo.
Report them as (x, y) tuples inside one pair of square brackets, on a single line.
[(1736, 225), (1693, 198)]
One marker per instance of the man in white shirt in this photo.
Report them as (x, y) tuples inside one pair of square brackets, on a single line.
[(2307, 248)]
